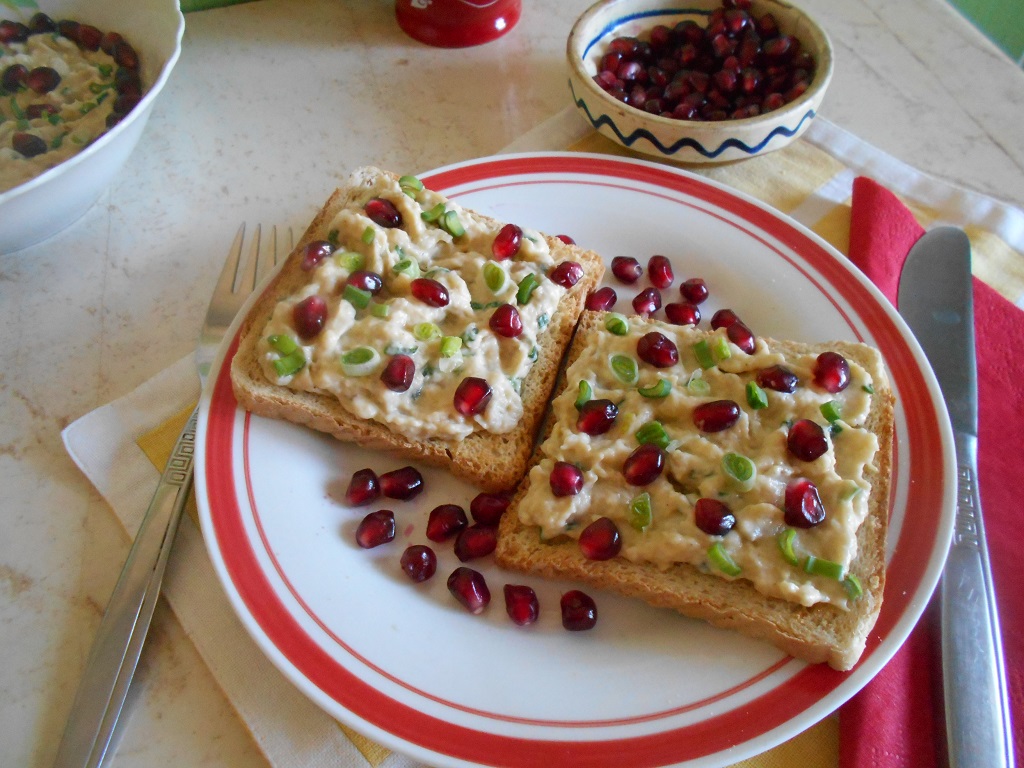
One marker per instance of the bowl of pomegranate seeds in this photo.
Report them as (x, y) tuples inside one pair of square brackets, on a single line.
[(706, 81), (78, 79)]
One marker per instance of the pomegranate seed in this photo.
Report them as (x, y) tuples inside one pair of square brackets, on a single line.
[(383, 213), (402, 484), (806, 440), (108, 40), (644, 465), (579, 612), (716, 415), (125, 103), (778, 378), (470, 589), (566, 479), (600, 540), (89, 37), (399, 373), (363, 488), (27, 144), (475, 541), (778, 48), (506, 244), (602, 299), (740, 335), (125, 55), (803, 507), (657, 349), (375, 529), (445, 521), (694, 290), (596, 417), (315, 252), (713, 517), (505, 321), (659, 269), (472, 396), (309, 316), (566, 274), (128, 82), (13, 32), (430, 292), (33, 111), (566, 239), (723, 318), (627, 269), (647, 302), (831, 372), (42, 79), (682, 313), (365, 280), (419, 562), (521, 604), (487, 508), (40, 22), (13, 77)]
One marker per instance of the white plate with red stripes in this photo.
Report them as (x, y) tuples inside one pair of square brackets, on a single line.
[(407, 666)]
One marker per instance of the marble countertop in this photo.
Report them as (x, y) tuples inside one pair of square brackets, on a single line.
[(271, 104)]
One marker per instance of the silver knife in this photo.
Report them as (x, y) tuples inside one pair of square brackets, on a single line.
[(936, 300)]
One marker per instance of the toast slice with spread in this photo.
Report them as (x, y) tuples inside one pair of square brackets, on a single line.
[(406, 322)]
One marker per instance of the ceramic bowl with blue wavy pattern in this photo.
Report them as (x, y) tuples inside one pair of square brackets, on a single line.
[(688, 141)]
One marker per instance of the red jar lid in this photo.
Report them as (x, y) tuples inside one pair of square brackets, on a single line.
[(457, 23)]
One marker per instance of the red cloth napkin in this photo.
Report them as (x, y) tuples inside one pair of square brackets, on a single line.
[(892, 722)]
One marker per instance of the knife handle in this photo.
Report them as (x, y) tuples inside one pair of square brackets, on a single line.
[(974, 678), (122, 631)]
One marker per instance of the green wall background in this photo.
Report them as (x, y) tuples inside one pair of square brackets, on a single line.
[(1001, 20)]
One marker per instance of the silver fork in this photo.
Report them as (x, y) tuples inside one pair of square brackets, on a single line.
[(122, 632)]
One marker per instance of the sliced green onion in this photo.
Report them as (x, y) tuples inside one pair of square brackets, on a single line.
[(350, 260), (291, 363), (283, 344), (360, 361), (426, 331), (697, 385), (785, 542), (757, 398), (869, 389), (832, 410), (434, 213), (410, 185), (740, 470), (450, 223), (721, 350), (494, 276), (617, 324), (584, 395), (849, 491), (852, 585), (703, 352), (721, 560), (542, 321), (652, 433), (526, 288), (534, 354), (450, 345), (625, 368), (368, 235), (357, 297), (378, 309), (398, 349), (469, 334), (819, 566), (640, 514), (408, 267), (661, 388)]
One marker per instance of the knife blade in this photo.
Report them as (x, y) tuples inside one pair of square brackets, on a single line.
[(936, 300)]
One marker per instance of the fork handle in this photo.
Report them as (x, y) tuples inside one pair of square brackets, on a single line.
[(122, 632)]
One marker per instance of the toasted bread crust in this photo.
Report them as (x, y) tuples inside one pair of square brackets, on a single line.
[(820, 633), (493, 462)]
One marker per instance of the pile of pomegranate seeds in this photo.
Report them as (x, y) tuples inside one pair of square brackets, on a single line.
[(738, 65), (446, 522)]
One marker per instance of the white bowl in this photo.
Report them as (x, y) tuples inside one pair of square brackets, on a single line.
[(688, 141), (46, 204)]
